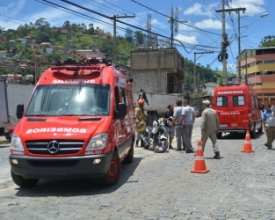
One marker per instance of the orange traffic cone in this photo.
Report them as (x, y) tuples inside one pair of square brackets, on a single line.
[(199, 166), (247, 147)]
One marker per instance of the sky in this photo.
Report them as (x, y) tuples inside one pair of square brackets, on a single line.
[(199, 27)]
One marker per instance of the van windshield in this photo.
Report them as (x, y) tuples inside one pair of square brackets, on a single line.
[(79, 99)]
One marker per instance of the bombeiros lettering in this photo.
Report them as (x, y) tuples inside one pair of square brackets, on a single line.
[(230, 92), (73, 81), (56, 130)]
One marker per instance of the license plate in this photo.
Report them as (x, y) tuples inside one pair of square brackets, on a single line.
[(223, 125)]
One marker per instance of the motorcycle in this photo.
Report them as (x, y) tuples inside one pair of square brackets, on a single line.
[(155, 136)]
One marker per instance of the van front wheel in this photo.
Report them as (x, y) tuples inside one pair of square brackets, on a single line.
[(113, 173), (22, 182), (219, 135)]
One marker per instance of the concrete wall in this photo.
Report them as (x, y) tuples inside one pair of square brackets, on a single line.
[(149, 70), (152, 81), (158, 102), (17, 94)]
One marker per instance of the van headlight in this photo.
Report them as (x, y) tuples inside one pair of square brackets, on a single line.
[(16, 143), (98, 142)]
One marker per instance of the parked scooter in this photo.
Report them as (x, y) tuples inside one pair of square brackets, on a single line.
[(155, 136)]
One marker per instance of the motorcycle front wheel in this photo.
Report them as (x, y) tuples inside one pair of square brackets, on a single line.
[(161, 146)]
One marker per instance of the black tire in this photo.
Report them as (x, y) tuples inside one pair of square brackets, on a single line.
[(130, 157), (253, 132), (113, 173), (219, 135), (260, 130), (22, 182), (161, 146)]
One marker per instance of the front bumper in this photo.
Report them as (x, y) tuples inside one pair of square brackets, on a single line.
[(60, 168)]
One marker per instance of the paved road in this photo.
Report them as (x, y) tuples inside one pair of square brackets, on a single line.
[(156, 186)]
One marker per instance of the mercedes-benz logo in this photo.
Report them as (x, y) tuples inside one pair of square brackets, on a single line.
[(53, 147)]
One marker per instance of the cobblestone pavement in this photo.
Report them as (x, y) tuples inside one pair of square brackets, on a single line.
[(156, 186)]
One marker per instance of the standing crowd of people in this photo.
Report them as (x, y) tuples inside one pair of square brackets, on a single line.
[(179, 122)]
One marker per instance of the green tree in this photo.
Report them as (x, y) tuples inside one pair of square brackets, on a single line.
[(268, 41), (42, 37), (129, 35), (42, 24), (139, 37), (67, 25), (91, 29)]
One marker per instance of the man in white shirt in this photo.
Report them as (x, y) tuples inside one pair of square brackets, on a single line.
[(187, 119), (178, 125)]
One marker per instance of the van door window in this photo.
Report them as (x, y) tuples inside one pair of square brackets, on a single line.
[(120, 96), (238, 100), (222, 101)]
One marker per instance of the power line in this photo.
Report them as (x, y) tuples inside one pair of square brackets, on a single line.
[(189, 25), (127, 24)]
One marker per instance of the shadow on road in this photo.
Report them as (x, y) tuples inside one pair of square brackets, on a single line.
[(4, 146), (239, 136), (78, 187)]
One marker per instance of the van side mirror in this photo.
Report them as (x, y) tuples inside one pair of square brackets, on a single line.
[(121, 111), (19, 111)]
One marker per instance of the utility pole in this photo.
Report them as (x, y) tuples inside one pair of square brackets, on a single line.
[(114, 18), (194, 70), (239, 36), (224, 44)]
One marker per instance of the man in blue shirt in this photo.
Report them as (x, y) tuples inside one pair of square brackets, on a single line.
[(269, 125)]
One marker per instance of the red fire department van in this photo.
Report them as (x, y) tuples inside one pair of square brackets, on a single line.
[(238, 109), (78, 123)]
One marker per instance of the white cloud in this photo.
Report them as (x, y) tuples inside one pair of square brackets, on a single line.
[(187, 39), (211, 24), (199, 9), (158, 24), (253, 7)]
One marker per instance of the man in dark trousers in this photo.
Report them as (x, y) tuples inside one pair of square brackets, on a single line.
[(210, 127), (269, 125), (168, 117), (140, 121), (187, 120), (177, 125)]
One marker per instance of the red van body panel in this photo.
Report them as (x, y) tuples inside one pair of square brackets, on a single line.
[(72, 132), (237, 108)]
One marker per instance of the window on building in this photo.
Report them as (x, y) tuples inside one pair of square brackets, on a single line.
[(259, 62), (222, 101), (269, 61), (238, 100), (170, 83)]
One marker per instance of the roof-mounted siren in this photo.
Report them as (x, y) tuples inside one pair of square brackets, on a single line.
[(142, 95)]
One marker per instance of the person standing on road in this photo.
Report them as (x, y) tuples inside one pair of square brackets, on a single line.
[(168, 117), (187, 119), (140, 121), (269, 125), (210, 127), (177, 125)]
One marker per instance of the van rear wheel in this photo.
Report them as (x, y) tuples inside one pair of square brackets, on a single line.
[(253, 132), (130, 156), (260, 130), (219, 135)]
